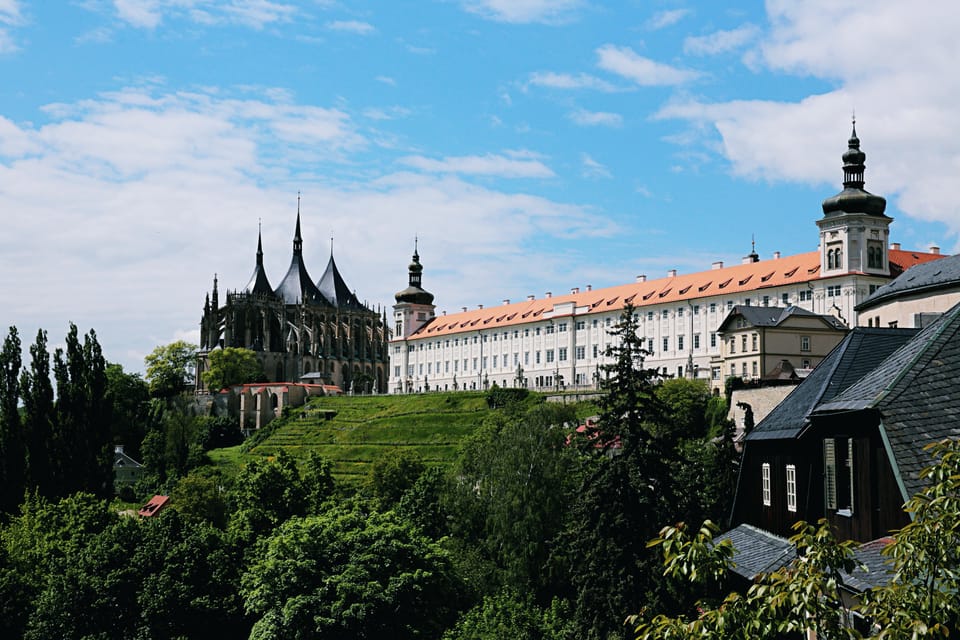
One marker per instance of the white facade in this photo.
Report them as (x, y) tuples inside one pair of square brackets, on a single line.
[(559, 342)]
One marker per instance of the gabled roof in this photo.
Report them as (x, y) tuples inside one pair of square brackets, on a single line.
[(753, 276), (923, 277), (860, 351), (775, 316), (917, 393), (877, 571), (757, 551), (334, 289)]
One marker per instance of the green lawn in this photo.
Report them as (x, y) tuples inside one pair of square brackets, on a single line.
[(363, 427)]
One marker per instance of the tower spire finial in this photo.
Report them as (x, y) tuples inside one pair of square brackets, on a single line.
[(297, 238), (331, 244)]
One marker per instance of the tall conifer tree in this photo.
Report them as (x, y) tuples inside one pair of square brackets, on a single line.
[(11, 436), (37, 391)]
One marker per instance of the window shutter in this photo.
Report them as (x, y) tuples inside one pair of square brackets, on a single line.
[(829, 473), (850, 467)]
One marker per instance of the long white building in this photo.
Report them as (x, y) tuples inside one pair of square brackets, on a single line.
[(558, 341)]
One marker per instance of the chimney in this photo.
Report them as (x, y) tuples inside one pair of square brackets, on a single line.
[(531, 298), (589, 287), (747, 260), (934, 249), (464, 309), (642, 277), (672, 273), (548, 295), (717, 265), (118, 449), (479, 306), (444, 312), (776, 255), (895, 246), (506, 301), (575, 290)]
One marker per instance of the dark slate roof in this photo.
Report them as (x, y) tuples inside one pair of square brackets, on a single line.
[(334, 289), (917, 392), (860, 351), (296, 286), (258, 281), (876, 571), (775, 316), (924, 277), (757, 551)]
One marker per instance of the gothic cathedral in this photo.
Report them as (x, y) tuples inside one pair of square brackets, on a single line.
[(302, 331)]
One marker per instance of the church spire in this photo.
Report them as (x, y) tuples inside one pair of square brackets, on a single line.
[(414, 293), (297, 239), (853, 161), (216, 296), (259, 244), (854, 199)]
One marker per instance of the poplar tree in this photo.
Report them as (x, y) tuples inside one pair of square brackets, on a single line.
[(38, 414), (11, 437)]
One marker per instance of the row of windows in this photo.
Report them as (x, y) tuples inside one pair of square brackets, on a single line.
[(767, 494)]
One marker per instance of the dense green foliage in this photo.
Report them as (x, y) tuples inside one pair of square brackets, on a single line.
[(230, 366), (170, 368)]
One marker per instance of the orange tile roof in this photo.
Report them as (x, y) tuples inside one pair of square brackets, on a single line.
[(777, 272)]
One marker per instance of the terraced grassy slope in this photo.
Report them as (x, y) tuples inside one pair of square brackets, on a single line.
[(351, 432)]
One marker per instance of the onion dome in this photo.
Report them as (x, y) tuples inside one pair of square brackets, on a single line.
[(297, 286), (854, 198), (333, 287), (259, 284), (414, 294)]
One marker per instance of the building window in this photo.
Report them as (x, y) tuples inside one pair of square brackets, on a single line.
[(396, 371), (804, 343), (715, 373), (733, 370), (483, 362), (537, 357), (562, 327), (562, 354), (679, 312), (833, 291), (729, 305), (743, 370), (680, 343), (743, 341), (581, 325), (805, 295), (838, 474), (791, 488), (713, 307), (713, 339), (606, 322), (755, 341), (650, 345), (549, 329), (494, 362), (765, 483), (549, 356), (665, 314), (399, 328), (526, 357), (696, 309), (666, 343), (785, 298), (696, 341), (733, 345), (766, 301), (595, 351), (755, 369), (581, 353), (805, 364), (649, 315)]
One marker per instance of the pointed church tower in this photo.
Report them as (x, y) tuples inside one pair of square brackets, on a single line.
[(259, 283), (414, 307), (854, 231)]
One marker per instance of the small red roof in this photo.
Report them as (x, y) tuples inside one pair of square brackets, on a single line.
[(154, 506)]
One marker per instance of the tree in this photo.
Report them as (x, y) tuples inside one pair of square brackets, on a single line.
[(127, 395), (12, 451), (170, 368), (350, 573), (392, 474), (508, 614), (513, 484), (38, 417), (231, 366)]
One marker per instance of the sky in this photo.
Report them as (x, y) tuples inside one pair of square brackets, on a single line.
[(528, 145)]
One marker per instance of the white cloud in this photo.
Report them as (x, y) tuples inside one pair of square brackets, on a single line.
[(524, 11), (596, 118), (139, 13), (555, 80), (891, 62), (259, 13), (511, 165), (120, 208), (352, 26), (720, 41), (10, 16), (386, 80), (668, 18), (625, 62), (593, 169)]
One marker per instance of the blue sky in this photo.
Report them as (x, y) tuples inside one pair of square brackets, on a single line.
[(532, 145)]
